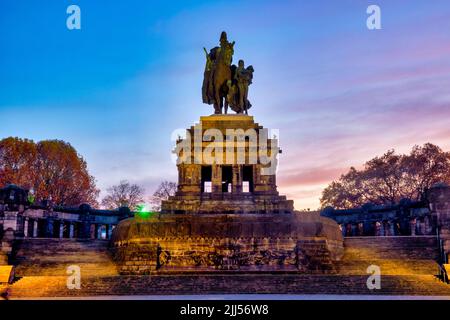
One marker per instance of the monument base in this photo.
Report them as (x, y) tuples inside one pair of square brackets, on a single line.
[(166, 243), (238, 180), (228, 204)]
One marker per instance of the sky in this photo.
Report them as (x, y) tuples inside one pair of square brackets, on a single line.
[(116, 89)]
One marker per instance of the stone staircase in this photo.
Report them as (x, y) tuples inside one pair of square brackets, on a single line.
[(51, 257), (417, 255), (407, 265)]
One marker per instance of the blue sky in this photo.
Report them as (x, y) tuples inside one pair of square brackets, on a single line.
[(116, 89)]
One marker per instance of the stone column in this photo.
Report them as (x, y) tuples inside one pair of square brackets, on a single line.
[(348, 229), (85, 229), (35, 228), (342, 227), (427, 224), (25, 227), (107, 227), (216, 179), (419, 227), (422, 227), (71, 230), (354, 229), (99, 231), (110, 231), (61, 229), (181, 169), (382, 229), (360, 229), (412, 224), (49, 228), (368, 228), (392, 228), (93, 231), (237, 179)]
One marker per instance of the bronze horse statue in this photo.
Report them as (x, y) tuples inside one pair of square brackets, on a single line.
[(222, 74), (218, 74)]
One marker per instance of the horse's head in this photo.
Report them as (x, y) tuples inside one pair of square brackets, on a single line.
[(228, 54)]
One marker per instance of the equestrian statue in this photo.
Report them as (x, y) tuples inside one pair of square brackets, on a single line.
[(226, 85)]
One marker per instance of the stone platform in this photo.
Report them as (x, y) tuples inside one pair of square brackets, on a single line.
[(168, 243), (407, 264)]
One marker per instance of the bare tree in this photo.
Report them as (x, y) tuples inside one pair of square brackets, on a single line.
[(390, 178), (164, 191), (123, 195)]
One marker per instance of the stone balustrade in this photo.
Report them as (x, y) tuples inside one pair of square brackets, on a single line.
[(40, 223), (20, 219), (398, 220)]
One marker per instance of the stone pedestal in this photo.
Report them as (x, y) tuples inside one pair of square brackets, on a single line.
[(226, 151), (6, 246), (3, 258), (227, 215), (166, 243), (10, 220)]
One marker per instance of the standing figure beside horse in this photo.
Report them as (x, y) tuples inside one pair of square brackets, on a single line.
[(225, 84)]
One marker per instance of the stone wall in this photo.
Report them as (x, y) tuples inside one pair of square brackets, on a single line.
[(439, 199), (299, 242)]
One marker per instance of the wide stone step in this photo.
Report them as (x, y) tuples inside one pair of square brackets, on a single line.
[(393, 267), (416, 255), (34, 257), (228, 284), (397, 241)]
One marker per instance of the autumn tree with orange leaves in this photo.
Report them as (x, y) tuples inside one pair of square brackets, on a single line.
[(52, 168)]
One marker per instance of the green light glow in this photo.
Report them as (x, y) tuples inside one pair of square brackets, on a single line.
[(143, 212)]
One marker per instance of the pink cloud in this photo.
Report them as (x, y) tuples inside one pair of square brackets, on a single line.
[(309, 176)]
